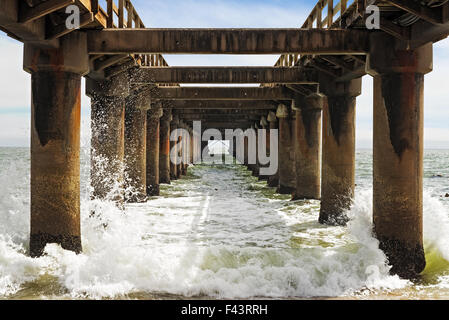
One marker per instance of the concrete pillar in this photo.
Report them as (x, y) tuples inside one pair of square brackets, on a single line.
[(108, 137), (135, 147), (180, 167), (398, 152), (204, 146), (338, 159), (153, 149), (273, 181), (173, 166), (184, 151), (55, 142), (164, 152), (308, 147), (255, 168), (264, 125), (245, 151), (287, 184), (192, 145)]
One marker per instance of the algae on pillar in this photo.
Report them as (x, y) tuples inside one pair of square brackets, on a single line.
[(55, 142), (308, 147), (153, 146), (164, 151), (338, 158), (137, 105), (273, 181), (287, 183), (398, 151), (108, 136)]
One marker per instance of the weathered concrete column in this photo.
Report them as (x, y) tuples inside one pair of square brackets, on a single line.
[(153, 146), (287, 184), (180, 167), (255, 168), (338, 159), (204, 146), (398, 151), (273, 181), (108, 137), (264, 126), (308, 147), (135, 147), (173, 167), (192, 145), (55, 142), (184, 151), (164, 151)]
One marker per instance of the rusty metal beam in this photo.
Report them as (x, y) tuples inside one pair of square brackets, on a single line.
[(220, 93), (228, 41), (278, 75)]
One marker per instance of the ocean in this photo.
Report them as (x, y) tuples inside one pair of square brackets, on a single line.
[(218, 233)]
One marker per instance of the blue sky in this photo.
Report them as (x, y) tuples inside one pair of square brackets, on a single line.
[(15, 83)]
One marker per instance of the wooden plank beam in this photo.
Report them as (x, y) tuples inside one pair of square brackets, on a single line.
[(217, 93), (214, 105), (228, 41), (196, 75), (27, 13)]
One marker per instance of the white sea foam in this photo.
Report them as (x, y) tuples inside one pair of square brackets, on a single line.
[(211, 236)]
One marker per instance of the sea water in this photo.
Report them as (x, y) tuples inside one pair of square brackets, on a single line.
[(217, 233)]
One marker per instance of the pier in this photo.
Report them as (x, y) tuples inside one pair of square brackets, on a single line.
[(309, 96)]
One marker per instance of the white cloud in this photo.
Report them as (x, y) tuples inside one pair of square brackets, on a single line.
[(15, 83)]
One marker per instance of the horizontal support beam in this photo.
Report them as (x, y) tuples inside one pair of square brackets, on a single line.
[(432, 15), (244, 112), (226, 124), (196, 75), (228, 41), (423, 32), (218, 117), (220, 93), (28, 14), (221, 105)]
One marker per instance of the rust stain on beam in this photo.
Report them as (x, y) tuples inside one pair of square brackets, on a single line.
[(228, 41), (225, 75)]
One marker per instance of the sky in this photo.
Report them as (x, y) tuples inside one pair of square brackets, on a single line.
[(15, 83)]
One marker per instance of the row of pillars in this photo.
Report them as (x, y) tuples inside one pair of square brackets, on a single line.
[(317, 150), (398, 145), (130, 143)]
